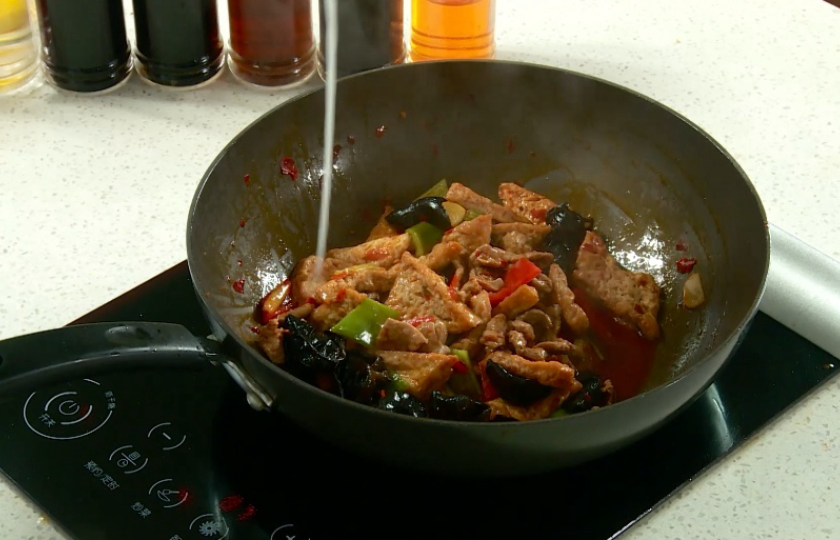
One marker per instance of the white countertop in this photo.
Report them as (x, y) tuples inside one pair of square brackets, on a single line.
[(95, 194)]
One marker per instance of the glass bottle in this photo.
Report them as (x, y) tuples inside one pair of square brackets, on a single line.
[(18, 56), (84, 42), (178, 41), (452, 29), (271, 41), (370, 35)]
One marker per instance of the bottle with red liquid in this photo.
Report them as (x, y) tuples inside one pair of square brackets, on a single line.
[(271, 41)]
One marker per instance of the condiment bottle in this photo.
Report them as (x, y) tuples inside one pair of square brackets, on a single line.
[(370, 35), (18, 57), (452, 29), (85, 45), (178, 41), (271, 41)]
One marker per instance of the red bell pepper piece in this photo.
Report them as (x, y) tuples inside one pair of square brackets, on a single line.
[(519, 273)]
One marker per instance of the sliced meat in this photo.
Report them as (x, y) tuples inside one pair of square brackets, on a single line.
[(523, 328), (383, 229), (471, 234), (328, 314), (422, 372), (541, 409), (471, 200), (520, 346), (304, 279), (382, 251), (436, 335), (556, 348), (524, 202), (270, 335), (521, 300), (542, 325), (631, 296), (400, 336), (488, 256), (367, 277), (480, 304), (442, 255), (554, 374), (573, 314), (493, 336), (519, 238), (419, 292)]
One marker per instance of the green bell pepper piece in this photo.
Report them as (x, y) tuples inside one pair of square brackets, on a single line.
[(438, 190), (465, 383), (363, 323), (424, 235), (559, 413), (472, 214)]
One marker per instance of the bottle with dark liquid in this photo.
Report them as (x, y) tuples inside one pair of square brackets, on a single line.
[(178, 41), (452, 29), (271, 41), (370, 35), (85, 48)]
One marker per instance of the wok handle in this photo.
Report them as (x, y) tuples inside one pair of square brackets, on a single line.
[(39, 359)]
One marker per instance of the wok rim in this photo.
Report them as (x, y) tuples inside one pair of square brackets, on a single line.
[(732, 336)]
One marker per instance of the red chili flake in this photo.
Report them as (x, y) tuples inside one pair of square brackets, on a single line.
[(417, 321), (340, 275), (382, 393), (681, 245), (239, 286), (685, 265), (230, 502), (239, 262), (255, 330), (459, 367), (288, 167), (538, 214), (247, 179), (242, 222), (351, 140), (380, 131), (375, 254), (434, 149), (510, 146), (341, 294), (402, 114), (336, 150)]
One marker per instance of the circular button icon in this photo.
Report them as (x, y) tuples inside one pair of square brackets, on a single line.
[(71, 411), (210, 526)]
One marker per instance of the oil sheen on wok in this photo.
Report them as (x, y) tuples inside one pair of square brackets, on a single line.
[(458, 307)]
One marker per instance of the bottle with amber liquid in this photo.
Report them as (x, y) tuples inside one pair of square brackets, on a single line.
[(443, 29), (271, 41)]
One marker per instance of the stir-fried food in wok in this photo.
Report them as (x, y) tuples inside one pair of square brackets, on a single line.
[(458, 307)]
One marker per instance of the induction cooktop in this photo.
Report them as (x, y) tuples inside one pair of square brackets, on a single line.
[(178, 455)]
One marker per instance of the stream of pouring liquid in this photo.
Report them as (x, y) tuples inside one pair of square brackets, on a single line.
[(329, 131)]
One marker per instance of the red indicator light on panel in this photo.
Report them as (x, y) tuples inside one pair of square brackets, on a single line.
[(247, 514), (231, 502)]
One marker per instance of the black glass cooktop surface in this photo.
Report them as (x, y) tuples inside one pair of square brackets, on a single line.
[(179, 455)]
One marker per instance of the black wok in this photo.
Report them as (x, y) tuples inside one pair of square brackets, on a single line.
[(648, 176)]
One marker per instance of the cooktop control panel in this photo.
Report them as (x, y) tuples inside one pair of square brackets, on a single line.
[(138, 456)]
